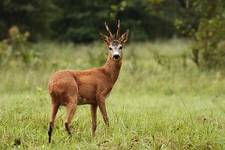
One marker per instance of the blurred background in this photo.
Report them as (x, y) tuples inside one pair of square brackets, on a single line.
[(80, 21)]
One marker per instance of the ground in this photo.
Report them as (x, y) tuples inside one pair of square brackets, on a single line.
[(160, 101)]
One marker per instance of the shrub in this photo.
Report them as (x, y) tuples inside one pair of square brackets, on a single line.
[(17, 48), (208, 48), (203, 21)]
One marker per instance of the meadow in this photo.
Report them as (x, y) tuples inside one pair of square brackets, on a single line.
[(160, 101)]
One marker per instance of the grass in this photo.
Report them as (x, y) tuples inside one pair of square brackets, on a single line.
[(161, 101)]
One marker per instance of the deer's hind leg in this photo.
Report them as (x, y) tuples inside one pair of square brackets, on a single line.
[(94, 118), (70, 108), (55, 107)]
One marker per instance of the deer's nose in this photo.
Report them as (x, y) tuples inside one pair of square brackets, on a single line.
[(116, 56)]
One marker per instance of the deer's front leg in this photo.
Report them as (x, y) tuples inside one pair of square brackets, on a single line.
[(94, 118), (101, 104)]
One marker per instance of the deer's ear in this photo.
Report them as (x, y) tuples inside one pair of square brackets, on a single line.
[(105, 38), (124, 37)]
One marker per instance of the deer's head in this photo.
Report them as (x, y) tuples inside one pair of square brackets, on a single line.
[(115, 43)]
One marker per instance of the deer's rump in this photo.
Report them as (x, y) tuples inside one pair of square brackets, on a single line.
[(62, 88)]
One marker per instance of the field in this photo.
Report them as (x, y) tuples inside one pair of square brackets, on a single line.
[(160, 101)]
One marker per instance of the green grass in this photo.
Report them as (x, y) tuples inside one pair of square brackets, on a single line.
[(162, 102)]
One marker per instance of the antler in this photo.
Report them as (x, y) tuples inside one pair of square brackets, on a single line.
[(107, 28), (118, 29)]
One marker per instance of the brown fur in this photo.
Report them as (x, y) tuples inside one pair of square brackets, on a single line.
[(71, 88)]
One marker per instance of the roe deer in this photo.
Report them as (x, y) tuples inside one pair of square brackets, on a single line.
[(71, 87)]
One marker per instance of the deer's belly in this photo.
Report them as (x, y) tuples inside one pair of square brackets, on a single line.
[(87, 94), (83, 101)]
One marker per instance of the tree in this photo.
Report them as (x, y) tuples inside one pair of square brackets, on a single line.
[(203, 21), (29, 15), (80, 20)]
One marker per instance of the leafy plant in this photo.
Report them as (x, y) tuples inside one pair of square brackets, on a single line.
[(17, 48), (206, 27)]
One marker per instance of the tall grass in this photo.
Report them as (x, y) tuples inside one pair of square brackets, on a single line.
[(160, 101)]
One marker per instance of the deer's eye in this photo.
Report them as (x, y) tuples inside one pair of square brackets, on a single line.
[(120, 47), (110, 48)]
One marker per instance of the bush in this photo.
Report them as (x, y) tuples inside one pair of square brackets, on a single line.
[(17, 48), (205, 25), (208, 47), (29, 15)]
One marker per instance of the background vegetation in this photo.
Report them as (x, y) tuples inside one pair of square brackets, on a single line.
[(170, 93), (81, 20)]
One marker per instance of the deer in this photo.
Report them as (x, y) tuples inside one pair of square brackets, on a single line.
[(71, 88)]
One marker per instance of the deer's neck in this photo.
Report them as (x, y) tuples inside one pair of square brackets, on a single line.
[(112, 68)]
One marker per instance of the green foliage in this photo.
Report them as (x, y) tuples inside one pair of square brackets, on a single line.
[(29, 15), (4, 52), (97, 58), (17, 48), (139, 15), (170, 59), (82, 20), (209, 38), (206, 27)]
